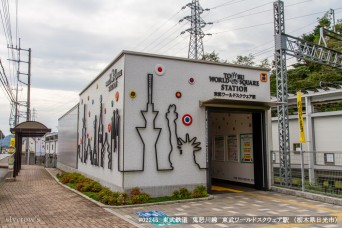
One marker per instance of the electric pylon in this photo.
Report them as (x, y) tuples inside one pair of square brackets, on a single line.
[(196, 50)]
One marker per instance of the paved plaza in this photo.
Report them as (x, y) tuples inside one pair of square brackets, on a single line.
[(36, 200)]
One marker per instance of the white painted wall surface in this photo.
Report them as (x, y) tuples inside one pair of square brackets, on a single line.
[(176, 77), (326, 137), (111, 178)]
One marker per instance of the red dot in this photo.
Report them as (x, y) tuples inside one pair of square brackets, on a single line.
[(160, 69)]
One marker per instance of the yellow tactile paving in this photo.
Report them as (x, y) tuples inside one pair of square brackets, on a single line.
[(222, 189)]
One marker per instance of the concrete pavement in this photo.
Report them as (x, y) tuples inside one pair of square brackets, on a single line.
[(237, 202), (36, 200)]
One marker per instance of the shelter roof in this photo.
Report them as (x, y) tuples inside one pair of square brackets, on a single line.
[(30, 129)]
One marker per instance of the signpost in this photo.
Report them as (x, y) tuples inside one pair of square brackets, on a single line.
[(301, 135)]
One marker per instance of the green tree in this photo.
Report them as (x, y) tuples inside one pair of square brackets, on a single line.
[(213, 57), (265, 63), (245, 60)]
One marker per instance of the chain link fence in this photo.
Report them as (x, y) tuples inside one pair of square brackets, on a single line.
[(322, 171)]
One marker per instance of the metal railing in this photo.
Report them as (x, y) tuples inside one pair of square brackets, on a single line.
[(321, 171)]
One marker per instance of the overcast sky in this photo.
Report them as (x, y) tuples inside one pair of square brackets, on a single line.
[(73, 40)]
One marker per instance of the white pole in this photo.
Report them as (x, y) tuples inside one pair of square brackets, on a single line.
[(302, 167)]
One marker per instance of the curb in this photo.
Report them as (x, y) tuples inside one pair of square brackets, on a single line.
[(75, 191), (309, 195), (210, 197)]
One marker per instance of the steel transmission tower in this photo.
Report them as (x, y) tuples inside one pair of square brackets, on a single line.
[(282, 95), (196, 50), (301, 49)]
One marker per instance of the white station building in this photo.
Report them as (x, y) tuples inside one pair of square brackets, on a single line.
[(161, 123)]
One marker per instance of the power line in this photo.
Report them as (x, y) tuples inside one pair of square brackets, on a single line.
[(167, 38), (225, 18), (160, 36), (158, 28), (227, 4), (258, 25), (260, 12)]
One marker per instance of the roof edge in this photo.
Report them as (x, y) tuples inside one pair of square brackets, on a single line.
[(126, 52)]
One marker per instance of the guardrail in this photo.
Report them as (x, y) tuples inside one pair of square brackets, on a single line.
[(322, 171)]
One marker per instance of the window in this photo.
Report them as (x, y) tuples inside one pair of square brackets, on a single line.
[(329, 158), (296, 147)]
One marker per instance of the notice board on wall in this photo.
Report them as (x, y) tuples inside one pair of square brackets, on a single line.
[(232, 148), (219, 148), (246, 148)]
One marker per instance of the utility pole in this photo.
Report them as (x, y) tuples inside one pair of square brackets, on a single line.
[(34, 114), (28, 86), (196, 50), (28, 102)]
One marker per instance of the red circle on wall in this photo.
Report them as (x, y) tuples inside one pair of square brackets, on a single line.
[(116, 96), (159, 69), (109, 127), (187, 119)]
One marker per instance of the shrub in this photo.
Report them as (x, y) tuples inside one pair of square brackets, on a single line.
[(104, 192), (140, 198), (176, 194), (122, 198), (91, 186), (135, 191), (70, 177), (81, 183), (199, 191), (182, 193)]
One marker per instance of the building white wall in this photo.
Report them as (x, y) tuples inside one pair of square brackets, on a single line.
[(326, 132), (32, 145), (68, 138), (91, 98), (176, 78), (188, 170)]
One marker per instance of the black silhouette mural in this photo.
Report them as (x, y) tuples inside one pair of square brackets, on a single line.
[(115, 139), (193, 143), (109, 142), (94, 160), (100, 139), (171, 117), (83, 142)]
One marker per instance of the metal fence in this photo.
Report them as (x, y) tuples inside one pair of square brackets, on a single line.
[(321, 172)]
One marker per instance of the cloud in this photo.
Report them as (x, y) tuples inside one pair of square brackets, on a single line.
[(73, 40)]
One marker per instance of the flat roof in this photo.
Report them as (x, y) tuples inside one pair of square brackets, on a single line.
[(125, 52)]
